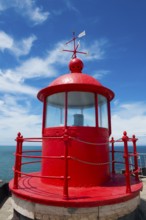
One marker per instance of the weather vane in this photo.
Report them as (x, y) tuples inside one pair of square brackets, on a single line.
[(76, 46)]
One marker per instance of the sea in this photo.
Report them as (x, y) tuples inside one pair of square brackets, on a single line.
[(7, 160)]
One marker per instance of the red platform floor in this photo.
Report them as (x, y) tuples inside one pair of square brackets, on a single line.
[(114, 191)]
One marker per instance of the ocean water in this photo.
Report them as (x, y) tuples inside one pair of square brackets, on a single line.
[(7, 160)]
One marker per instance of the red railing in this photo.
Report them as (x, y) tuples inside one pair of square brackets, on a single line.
[(126, 155), (23, 154)]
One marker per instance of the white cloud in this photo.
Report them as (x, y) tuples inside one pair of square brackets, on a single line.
[(36, 67), (96, 51), (6, 42), (99, 74), (18, 48), (23, 47), (26, 8), (37, 15), (12, 86), (130, 117), (2, 6), (70, 6), (16, 115), (13, 80)]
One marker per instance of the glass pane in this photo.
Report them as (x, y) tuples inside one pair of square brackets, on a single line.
[(55, 110), (102, 112), (81, 109)]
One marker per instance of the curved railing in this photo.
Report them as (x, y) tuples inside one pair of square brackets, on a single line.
[(20, 154)]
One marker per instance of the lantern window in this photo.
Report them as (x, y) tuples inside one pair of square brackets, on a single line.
[(55, 110), (102, 112), (81, 109)]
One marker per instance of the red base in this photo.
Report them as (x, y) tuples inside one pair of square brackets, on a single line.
[(114, 191)]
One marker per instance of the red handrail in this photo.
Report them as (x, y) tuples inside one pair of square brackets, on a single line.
[(23, 154), (125, 139)]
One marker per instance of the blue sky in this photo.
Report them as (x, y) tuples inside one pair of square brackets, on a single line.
[(32, 33)]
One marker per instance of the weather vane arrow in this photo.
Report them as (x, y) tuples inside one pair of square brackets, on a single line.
[(75, 48)]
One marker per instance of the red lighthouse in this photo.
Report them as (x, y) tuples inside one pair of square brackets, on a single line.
[(77, 107), (75, 179)]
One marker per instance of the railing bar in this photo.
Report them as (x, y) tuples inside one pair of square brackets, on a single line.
[(43, 157), (31, 151), (39, 176), (38, 161), (32, 141), (41, 138)]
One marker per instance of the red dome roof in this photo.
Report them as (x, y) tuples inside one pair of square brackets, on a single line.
[(75, 78), (75, 81)]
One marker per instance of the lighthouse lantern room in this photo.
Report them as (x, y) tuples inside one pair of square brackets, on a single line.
[(77, 179)]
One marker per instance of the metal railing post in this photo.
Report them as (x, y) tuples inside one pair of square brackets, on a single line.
[(126, 157), (17, 167), (113, 155), (65, 187), (135, 157)]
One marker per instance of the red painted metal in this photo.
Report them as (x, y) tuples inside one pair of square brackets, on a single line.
[(134, 140), (19, 141), (96, 109), (75, 82), (109, 117), (93, 149), (76, 65), (72, 196), (65, 188), (113, 155), (126, 157), (44, 116), (66, 104), (110, 193), (75, 47)]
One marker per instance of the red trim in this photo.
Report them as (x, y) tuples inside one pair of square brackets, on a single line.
[(66, 109), (75, 87), (126, 157)]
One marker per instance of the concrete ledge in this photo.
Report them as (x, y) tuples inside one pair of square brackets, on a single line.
[(43, 212)]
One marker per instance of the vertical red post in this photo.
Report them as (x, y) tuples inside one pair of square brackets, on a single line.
[(109, 116), (96, 109), (135, 157), (65, 189), (20, 155), (17, 167), (113, 155), (126, 157), (44, 115)]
